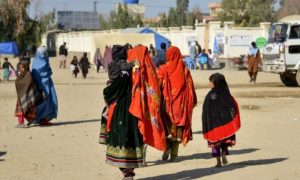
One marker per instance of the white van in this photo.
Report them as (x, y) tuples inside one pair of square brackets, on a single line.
[(282, 52)]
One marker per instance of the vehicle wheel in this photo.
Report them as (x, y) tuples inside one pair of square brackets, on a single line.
[(289, 79), (298, 77)]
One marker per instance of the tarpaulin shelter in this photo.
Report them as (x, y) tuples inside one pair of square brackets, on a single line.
[(157, 37), (9, 48)]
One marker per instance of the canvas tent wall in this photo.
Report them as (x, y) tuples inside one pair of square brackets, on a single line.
[(158, 38), (9, 48)]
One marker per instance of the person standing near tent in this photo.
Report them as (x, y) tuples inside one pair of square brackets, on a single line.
[(63, 53), (6, 66), (153, 53), (161, 54), (179, 101), (41, 73)]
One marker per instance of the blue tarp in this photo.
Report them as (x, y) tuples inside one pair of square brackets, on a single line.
[(157, 37), (9, 48)]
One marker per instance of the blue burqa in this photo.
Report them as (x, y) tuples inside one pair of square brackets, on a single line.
[(41, 73)]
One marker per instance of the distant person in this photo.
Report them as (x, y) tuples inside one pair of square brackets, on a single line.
[(212, 59), (84, 65), (7, 69), (28, 95), (107, 57), (254, 60), (41, 73), (198, 47), (98, 60), (294, 33), (161, 53), (74, 66), (203, 59), (152, 52), (169, 44), (220, 118), (63, 53), (193, 51)]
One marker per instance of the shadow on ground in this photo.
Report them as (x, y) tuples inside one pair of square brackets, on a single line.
[(67, 123), (202, 172), (202, 156), (75, 122), (2, 154)]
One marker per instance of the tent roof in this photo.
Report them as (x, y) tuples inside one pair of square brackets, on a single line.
[(9, 48), (158, 37)]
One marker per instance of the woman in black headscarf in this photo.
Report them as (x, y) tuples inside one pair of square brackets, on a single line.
[(119, 128), (220, 118), (84, 65)]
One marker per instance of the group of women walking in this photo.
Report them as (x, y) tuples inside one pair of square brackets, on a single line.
[(145, 105), (153, 106)]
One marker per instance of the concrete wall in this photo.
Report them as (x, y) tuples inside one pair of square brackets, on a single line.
[(88, 41)]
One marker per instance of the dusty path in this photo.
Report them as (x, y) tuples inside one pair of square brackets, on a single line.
[(267, 145)]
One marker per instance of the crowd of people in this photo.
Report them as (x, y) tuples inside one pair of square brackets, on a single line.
[(149, 105), (149, 100), (200, 58)]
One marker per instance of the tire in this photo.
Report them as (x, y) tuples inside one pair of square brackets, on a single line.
[(289, 79), (298, 77)]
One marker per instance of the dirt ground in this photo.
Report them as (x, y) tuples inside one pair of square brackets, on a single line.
[(267, 144)]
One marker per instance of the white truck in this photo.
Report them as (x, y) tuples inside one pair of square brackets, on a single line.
[(281, 55)]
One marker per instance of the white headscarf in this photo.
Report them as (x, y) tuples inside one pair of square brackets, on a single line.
[(42, 50)]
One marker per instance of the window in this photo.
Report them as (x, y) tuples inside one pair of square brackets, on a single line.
[(295, 32)]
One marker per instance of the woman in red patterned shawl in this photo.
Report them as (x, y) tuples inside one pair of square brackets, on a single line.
[(179, 99)]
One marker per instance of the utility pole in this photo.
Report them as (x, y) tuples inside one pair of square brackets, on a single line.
[(95, 6)]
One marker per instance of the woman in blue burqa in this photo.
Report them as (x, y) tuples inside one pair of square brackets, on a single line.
[(41, 73)]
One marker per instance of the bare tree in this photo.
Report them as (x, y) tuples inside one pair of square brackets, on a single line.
[(288, 7)]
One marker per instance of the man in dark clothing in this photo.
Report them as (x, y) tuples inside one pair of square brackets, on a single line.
[(161, 53), (63, 53)]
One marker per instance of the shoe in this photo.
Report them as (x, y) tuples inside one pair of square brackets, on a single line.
[(166, 155), (20, 126)]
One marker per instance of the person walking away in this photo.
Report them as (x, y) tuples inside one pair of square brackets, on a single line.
[(41, 73), (74, 66), (123, 139), (254, 60), (7, 69), (107, 57), (220, 118), (179, 100), (161, 54), (84, 65), (28, 95), (98, 60), (63, 53)]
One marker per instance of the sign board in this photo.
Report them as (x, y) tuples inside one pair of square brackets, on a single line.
[(261, 42), (240, 40)]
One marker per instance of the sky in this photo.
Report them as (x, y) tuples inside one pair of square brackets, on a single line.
[(153, 7)]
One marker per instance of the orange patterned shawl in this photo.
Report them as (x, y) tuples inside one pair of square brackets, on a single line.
[(145, 103), (178, 91)]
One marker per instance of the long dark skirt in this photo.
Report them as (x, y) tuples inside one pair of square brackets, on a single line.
[(124, 141)]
